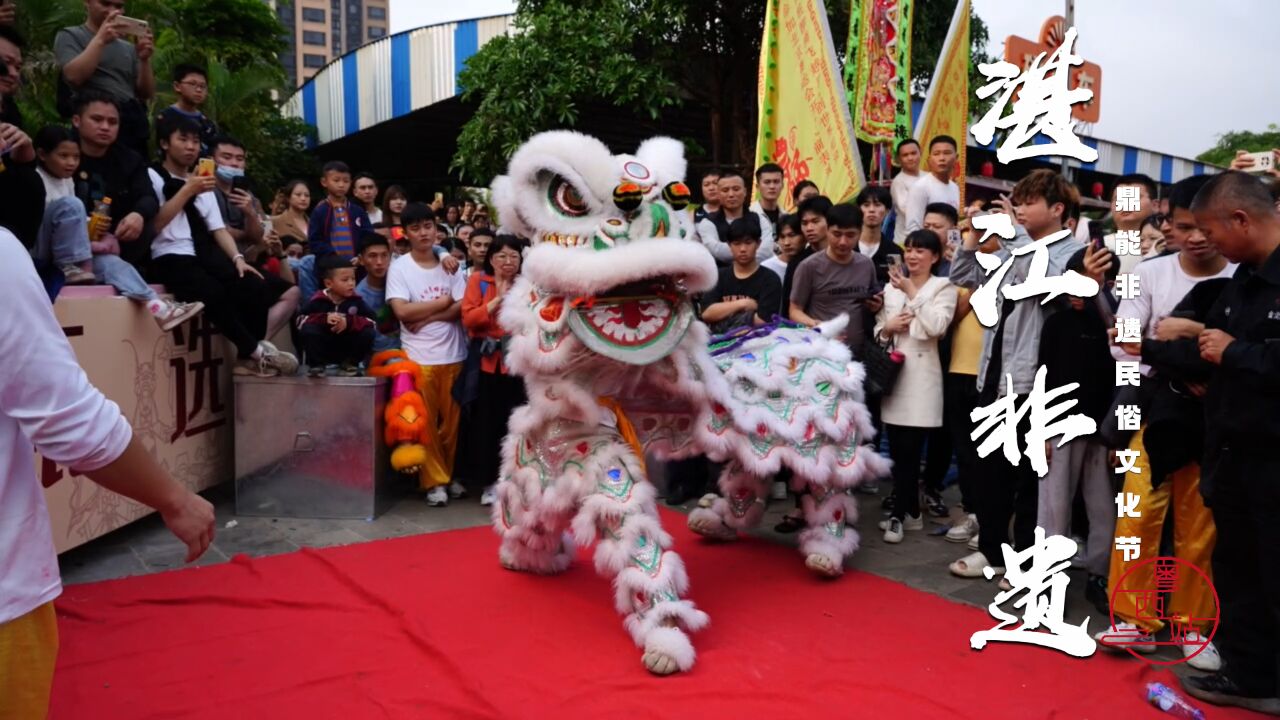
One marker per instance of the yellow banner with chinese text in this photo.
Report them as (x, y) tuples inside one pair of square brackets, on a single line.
[(946, 106), (804, 123)]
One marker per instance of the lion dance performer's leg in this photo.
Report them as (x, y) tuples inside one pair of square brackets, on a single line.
[(828, 540), (564, 470), (535, 500), (739, 506), (649, 579)]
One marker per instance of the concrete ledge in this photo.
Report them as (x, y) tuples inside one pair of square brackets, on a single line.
[(174, 389)]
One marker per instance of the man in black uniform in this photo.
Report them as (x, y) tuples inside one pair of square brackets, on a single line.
[(1241, 468)]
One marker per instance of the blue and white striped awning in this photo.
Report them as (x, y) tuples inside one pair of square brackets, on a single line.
[(391, 77)]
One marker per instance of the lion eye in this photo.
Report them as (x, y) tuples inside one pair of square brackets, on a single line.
[(566, 199)]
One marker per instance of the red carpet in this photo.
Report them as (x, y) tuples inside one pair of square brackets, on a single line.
[(432, 627)]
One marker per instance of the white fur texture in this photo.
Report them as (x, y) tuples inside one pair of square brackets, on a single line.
[(673, 643), (574, 271)]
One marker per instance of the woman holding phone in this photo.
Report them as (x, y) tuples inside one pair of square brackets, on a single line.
[(917, 311)]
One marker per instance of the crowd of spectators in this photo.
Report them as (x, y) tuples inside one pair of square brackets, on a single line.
[(360, 271)]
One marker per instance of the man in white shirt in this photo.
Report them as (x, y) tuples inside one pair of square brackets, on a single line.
[(934, 186), (713, 230), (211, 271), (900, 189), (427, 301), (1130, 220), (769, 183), (47, 405)]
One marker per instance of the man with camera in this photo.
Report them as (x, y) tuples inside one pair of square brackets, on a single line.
[(99, 56)]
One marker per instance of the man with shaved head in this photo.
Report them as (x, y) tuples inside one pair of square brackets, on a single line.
[(1241, 469)]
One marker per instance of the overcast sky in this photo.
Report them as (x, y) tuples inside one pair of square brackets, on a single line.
[(1175, 73)]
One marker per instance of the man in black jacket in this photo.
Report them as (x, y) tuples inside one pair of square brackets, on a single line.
[(1241, 471), (110, 170)]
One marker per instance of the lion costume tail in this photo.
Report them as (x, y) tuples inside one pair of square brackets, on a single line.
[(406, 413)]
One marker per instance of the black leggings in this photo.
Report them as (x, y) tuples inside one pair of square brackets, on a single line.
[(499, 395), (961, 398), (236, 305), (906, 445)]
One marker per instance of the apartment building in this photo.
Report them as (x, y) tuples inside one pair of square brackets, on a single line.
[(321, 30)]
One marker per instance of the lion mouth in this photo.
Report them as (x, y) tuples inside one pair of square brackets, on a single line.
[(635, 313), (665, 286)]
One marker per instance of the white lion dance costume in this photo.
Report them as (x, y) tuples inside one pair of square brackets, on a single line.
[(615, 362)]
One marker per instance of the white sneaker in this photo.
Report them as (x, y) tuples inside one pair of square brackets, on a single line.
[(254, 366), (437, 496), (283, 362), (973, 542), (779, 491), (456, 491), (76, 275), (964, 531), (169, 314), (893, 531), (1127, 635), (489, 496), (1207, 659), (909, 522)]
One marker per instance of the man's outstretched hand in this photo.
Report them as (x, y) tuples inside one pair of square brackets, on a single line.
[(190, 518)]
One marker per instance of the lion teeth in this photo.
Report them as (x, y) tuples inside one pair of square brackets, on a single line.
[(563, 240)]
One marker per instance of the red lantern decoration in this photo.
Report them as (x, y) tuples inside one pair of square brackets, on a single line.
[(1097, 189), (988, 170)]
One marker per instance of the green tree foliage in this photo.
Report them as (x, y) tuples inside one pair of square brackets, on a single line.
[(237, 41), (561, 58), (643, 56), (240, 33), (1228, 143), (928, 31)]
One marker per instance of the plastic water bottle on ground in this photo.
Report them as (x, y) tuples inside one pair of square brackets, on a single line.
[(1168, 700)]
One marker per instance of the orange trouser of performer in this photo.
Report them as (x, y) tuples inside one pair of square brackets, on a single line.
[(1193, 538), (28, 651), (442, 424)]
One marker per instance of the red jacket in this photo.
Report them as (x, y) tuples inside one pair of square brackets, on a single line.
[(481, 289)]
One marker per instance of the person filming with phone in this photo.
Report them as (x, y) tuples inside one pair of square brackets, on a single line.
[(249, 226), (111, 54)]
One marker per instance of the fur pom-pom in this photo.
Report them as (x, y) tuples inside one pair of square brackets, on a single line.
[(673, 643), (408, 458)]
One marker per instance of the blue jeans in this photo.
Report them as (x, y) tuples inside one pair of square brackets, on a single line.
[(64, 233), (118, 273), (304, 271)]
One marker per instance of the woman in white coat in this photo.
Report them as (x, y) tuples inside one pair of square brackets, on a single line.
[(917, 310)]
